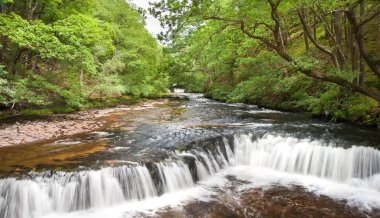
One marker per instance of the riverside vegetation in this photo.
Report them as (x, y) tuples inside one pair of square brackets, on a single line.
[(321, 56), (63, 54)]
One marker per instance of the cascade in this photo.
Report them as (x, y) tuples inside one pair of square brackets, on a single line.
[(307, 157), (65, 192), (358, 165), (72, 191)]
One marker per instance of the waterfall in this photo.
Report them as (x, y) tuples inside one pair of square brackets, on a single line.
[(358, 166), (72, 191), (175, 176), (136, 182), (63, 192), (292, 155)]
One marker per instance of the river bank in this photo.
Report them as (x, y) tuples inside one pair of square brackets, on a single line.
[(367, 119), (211, 158), (55, 126)]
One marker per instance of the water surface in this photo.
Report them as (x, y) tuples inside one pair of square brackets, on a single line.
[(154, 156)]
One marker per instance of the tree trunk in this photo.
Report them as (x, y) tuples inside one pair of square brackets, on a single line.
[(304, 32), (337, 31), (347, 36), (315, 27), (343, 83), (17, 58), (32, 9), (81, 80), (326, 33), (378, 32), (34, 65), (361, 62), (319, 46), (306, 39), (354, 55), (369, 59), (346, 51), (277, 46), (354, 47), (338, 38), (286, 33)]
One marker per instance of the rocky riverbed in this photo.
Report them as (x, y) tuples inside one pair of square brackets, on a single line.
[(275, 201), (193, 158), (62, 125)]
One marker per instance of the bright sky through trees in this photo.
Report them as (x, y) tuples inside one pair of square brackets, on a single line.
[(152, 24)]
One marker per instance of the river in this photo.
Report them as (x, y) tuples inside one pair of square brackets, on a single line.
[(189, 149)]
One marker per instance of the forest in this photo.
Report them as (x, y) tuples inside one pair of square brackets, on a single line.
[(62, 54), (317, 56), (238, 108)]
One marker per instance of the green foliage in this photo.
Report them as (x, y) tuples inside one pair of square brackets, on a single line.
[(219, 91), (194, 82), (252, 90), (342, 105), (237, 49), (181, 75), (68, 52), (110, 102), (47, 111), (5, 89)]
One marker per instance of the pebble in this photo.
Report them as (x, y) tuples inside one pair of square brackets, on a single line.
[(58, 125)]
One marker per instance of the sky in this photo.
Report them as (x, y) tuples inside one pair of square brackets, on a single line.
[(152, 24)]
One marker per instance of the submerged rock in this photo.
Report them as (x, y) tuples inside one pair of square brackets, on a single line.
[(295, 201), (276, 202)]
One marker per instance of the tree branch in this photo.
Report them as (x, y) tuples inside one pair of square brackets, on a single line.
[(375, 14), (243, 29), (361, 44), (340, 81), (320, 47)]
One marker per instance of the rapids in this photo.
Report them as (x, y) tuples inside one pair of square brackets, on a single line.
[(173, 160)]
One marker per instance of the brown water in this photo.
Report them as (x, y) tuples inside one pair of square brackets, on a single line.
[(148, 136)]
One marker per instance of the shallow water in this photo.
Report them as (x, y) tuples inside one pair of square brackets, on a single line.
[(151, 157)]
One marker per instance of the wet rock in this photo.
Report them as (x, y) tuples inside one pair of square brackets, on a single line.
[(281, 201), (273, 202), (199, 209), (59, 125), (190, 161)]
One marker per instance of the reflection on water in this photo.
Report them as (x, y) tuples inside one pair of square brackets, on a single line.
[(146, 152), (146, 134)]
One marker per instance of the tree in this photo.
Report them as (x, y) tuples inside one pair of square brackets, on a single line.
[(264, 23), (68, 51)]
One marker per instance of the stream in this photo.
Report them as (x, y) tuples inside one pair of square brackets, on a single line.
[(159, 158)]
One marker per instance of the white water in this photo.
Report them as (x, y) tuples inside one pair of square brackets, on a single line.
[(174, 176), (359, 166), (352, 174), (67, 192)]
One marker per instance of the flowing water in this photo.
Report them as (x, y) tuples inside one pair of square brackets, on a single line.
[(155, 157)]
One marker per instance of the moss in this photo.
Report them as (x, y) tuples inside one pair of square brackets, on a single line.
[(39, 112), (47, 111), (181, 148), (110, 102), (98, 103), (176, 112)]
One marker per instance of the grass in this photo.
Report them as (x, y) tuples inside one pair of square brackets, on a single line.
[(47, 111), (110, 102), (176, 112)]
